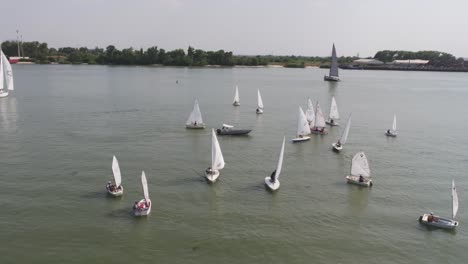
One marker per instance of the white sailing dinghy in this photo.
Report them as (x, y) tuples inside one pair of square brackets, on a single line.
[(303, 128), (272, 181), (319, 124), (334, 115), (195, 119), (392, 132), (6, 75), (310, 113), (360, 171), (217, 160), (441, 222), (338, 146), (116, 188), (143, 207), (333, 75), (259, 103), (236, 98)]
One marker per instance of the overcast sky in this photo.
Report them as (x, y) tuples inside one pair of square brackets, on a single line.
[(293, 27)]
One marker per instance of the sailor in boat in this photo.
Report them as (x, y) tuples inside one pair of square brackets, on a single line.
[(272, 177), (388, 131), (332, 121), (361, 179), (195, 123), (209, 171), (432, 218), (338, 144)]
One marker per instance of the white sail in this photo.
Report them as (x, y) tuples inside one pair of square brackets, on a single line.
[(7, 73), (2, 77), (302, 124), (334, 63), (359, 165), (454, 200), (394, 123), (116, 171), (217, 160), (259, 100), (319, 119), (334, 109), (195, 115), (236, 96), (310, 113), (280, 161), (144, 183), (344, 136)]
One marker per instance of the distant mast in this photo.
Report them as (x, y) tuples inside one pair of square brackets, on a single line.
[(18, 42)]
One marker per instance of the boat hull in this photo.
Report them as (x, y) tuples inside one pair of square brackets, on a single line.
[(318, 132), (391, 134), (336, 148), (331, 78), (140, 210), (212, 177), (233, 132), (436, 221), (236, 104), (115, 193), (355, 180), (273, 186), (259, 111), (3, 94), (192, 126), (300, 139), (334, 123)]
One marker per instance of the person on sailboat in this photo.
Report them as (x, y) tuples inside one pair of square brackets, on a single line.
[(195, 123), (388, 131), (361, 179), (258, 110), (338, 144), (332, 121), (272, 176), (209, 171)]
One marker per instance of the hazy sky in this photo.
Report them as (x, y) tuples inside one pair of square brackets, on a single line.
[(299, 27)]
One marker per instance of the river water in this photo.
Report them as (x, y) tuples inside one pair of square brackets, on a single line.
[(62, 124)]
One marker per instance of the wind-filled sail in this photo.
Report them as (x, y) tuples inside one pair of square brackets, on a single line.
[(280, 162), (217, 160), (195, 115), (334, 109), (344, 136), (2, 77), (302, 124), (144, 183), (319, 119), (236, 96), (310, 114), (334, 63), (359, 165), (116, 171), (259, 100), (7, 73), (454, 200), (394, 123)]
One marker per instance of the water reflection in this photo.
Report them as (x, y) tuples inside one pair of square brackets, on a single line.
[(8, 114)]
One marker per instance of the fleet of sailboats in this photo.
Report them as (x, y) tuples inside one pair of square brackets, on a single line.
[(334, 115), (333, 75), (195, 119), (441, 222), (6, 75), (360, 171), (143, 207), (303, 128), (217, 159), (392, 132), (272, 181), (338, 146), (116, 188), (259, 103)]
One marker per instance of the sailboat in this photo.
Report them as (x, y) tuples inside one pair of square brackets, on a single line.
[(195, 119), (303, 128), (259, 103), (344, 137), (236, 98), (392, 132), (333, 113), (333, 75), (217, 160), (116, 188), (360, 171), (310, 113), (6, 75), (143, 207), (272, 181), (437, 221), (319, 124)]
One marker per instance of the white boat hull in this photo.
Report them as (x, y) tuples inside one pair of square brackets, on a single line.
[(3, 93), (391, 133), (355, 180), (140, 208), (300, 139), (272, 185), (437, 221), (259, 111), (329, 122), (337, 148), (197, 126), (331, 78), (116, 193), (212, 177)]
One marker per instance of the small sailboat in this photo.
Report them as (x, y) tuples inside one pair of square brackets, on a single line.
[(217, 160), (236, 97), (272, 181), (392, 132), (333, 75), (360, 171), (441, 222), (195, 119), (303, 128), (310, 113), (319, 122), (143, 207), (116, 188), (334, 115), (344, 137), (6, 75), (259, 103)]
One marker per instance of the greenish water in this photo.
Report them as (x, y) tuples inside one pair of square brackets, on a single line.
[(62, 124)]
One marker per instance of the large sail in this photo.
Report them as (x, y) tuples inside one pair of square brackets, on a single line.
[(310, 113), (144, 183), (195, 115), (7, 73), (259, 99), (280, 161), (359, 165), (454, 200), (217, 160), (394, 123), (236, 96), (2, 77), (116, 171), (334, 109), (344, 136), (319, 119), (334, 63), (302, 124)]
